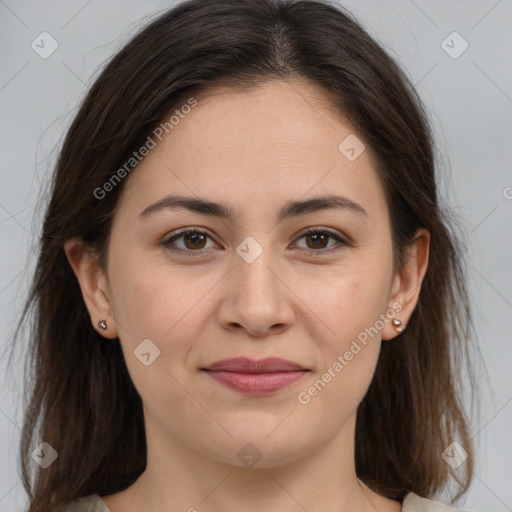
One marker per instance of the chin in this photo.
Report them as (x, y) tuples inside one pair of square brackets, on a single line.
[(254, 448)]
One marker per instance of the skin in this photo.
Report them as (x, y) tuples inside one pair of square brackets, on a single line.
[(253, 151)]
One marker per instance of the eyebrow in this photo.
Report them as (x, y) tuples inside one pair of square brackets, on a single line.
[(222, 211)]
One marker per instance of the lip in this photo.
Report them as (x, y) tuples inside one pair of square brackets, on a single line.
[(246, 365), (256, 377)]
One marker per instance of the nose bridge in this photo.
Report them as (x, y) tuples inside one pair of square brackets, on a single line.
[(258, 298), (253, 271)]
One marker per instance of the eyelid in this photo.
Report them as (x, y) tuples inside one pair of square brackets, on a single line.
[(175, 235), (342, 240), (330, 231)]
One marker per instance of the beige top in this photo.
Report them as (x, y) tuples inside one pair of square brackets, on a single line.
[(411, 503)]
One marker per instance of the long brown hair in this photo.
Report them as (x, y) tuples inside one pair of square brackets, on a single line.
[(81, 398)]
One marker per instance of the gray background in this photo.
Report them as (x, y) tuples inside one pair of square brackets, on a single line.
[(470, 99)]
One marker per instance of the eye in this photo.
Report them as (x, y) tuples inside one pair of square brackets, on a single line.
[(317, 238), (193, 239)]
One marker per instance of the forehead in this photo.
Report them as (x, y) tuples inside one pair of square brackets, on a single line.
[(280, 140), (286, 119)]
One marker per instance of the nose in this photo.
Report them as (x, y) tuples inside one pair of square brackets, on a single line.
[(257, 298)]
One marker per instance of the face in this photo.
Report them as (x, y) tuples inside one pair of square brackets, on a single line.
[(305, 286)]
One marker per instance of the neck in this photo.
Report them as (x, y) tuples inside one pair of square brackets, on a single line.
[(177, 478)]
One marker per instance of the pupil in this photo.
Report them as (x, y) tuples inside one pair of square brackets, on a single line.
[(195, 238), (315, 237)]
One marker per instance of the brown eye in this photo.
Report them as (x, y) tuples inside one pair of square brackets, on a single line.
[(192, 240), (317, 241)]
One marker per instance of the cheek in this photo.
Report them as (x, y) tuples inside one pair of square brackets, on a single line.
[(149, 297), (349, 354), (152, 304), (167, 306), (352, 309), (139, 299), (354, 303)]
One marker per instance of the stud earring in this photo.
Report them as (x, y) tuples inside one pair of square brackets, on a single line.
[(398, 325), (102, 324)]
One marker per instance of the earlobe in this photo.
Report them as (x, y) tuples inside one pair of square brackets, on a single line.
[(92, 281), (407, 283), (398, 325)]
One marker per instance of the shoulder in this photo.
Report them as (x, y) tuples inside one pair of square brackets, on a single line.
[(414, 503), (91, 503)]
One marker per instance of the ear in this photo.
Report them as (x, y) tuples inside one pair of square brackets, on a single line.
[(406, 284), (93, 283)]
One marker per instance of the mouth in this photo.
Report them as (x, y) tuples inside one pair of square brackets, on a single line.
[(255, 377)]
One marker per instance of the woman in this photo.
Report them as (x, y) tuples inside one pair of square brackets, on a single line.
[(247, 296)]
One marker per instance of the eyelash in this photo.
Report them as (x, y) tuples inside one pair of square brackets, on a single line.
[(324, 231)]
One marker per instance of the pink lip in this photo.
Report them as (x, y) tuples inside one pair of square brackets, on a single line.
[(255, 377)]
